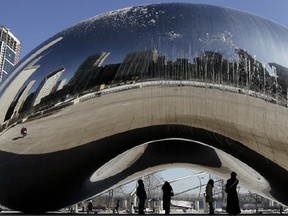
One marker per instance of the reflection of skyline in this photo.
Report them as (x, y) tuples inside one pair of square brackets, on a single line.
[(137, 64), (20, 75), (211, 67), (246, 73)]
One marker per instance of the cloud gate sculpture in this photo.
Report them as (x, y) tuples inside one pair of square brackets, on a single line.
[(133, 91)]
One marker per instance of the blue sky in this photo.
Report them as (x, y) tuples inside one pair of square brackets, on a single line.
[(34, 21)]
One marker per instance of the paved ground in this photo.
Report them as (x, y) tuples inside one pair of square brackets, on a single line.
[(260, 125)]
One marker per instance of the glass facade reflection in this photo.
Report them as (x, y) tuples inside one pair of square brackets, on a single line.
[(159, 45)]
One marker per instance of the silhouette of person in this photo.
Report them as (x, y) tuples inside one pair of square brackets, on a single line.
[(209, 195), (23, 131), (117, 206), (141, 194), (90, 207), (233, 207), (167, 193)]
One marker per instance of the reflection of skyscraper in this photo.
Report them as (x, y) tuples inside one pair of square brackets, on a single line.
[(11, 92), (9, 51), (137, 64), (83, 73), (60, 85), (22, 98), (47, 85)]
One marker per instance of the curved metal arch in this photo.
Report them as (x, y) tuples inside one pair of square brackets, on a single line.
[(121, 79)]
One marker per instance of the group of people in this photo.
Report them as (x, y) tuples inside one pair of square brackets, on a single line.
[(232, 207), (141, 194)]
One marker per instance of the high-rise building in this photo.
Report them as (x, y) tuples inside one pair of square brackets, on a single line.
[(9, 51)]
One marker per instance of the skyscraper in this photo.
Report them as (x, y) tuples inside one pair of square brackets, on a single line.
[(9, 51)]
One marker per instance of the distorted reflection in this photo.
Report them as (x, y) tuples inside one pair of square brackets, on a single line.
[(246, 76), (144, 87)]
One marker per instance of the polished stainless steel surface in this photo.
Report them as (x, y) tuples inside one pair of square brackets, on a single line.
[(100, 95)]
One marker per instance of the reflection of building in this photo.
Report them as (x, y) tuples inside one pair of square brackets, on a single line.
[(9, 51), (47, 85), (19, 80), (22, 98), (137, 64), (83, 73), (19, 76), (60, 85)]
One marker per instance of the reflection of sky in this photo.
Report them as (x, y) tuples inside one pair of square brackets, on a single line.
[(175, 31)]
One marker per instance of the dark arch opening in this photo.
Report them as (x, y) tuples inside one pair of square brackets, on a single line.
[(67, 174), (186, 149)]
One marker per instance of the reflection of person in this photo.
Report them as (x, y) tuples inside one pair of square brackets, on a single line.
[(232, 196), (23, 131), (167, 193), (141, 194), (209, 195)]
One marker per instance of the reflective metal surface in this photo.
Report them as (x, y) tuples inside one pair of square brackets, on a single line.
[(120, 80)]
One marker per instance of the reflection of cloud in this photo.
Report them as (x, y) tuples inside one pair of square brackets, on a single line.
[(172, 35)]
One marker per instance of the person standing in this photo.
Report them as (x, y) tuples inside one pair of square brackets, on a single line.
[(141, 194), (209, 195), (90, 207), (233, 207), (116, 210), (167, 193)]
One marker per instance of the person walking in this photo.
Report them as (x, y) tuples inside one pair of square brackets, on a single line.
[(233, 207), (209, 195), (167, 193), (141, 194)]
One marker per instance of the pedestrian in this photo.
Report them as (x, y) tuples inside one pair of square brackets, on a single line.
[(233, 207), (141, 194), (117, 206), (167, 193), (209, 195), (90, 207), (23, 132)]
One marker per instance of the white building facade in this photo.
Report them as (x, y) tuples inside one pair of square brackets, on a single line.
[(9, 51)]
